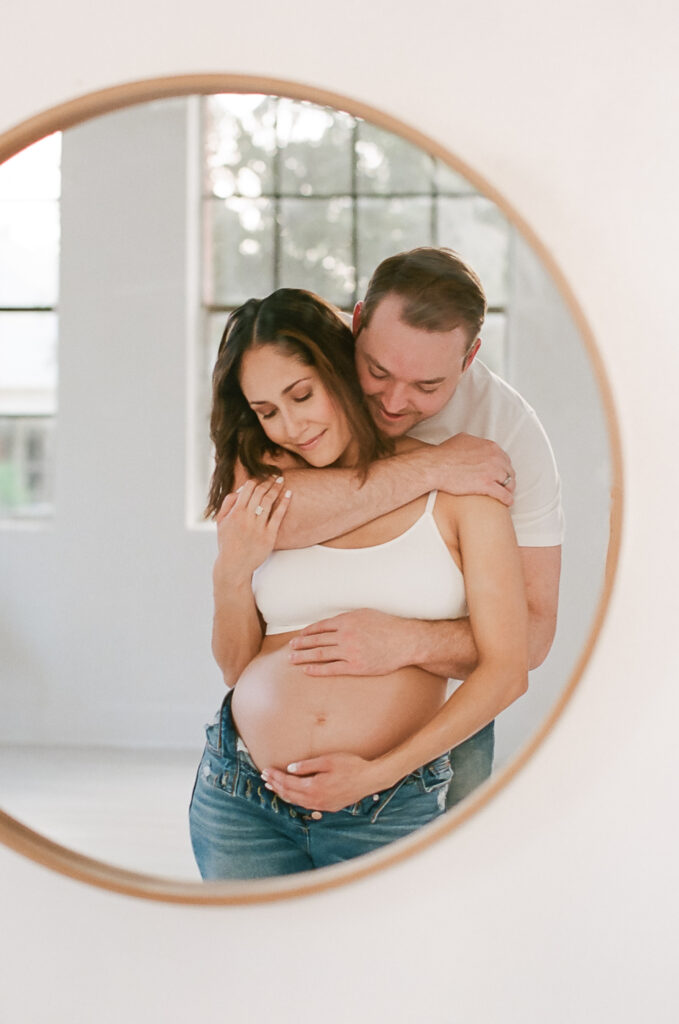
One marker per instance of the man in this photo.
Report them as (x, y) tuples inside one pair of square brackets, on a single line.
[(417, 336)]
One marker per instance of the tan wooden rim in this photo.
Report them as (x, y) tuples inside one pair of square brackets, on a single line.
[(42, 850)]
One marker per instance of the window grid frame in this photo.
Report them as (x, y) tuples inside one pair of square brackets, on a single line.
[(40, 509)]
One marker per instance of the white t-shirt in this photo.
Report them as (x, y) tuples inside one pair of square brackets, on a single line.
[(486, 406)]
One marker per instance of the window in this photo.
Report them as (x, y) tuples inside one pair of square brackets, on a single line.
[(29, 281), (299, 195), (293, 193)]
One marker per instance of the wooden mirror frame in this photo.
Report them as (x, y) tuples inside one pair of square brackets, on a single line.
[(38, 848)]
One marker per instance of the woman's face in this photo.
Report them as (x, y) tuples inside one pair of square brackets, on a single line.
[(293, 406)]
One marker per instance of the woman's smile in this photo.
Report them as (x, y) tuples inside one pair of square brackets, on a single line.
[(306, 446)]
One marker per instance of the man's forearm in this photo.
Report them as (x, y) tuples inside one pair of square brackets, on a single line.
[(447, 648), (329, 502), (444, 648)]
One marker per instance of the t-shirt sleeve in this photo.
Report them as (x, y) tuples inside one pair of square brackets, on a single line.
[(536, 513)]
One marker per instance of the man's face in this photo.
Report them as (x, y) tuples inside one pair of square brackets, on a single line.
[(407, 374)]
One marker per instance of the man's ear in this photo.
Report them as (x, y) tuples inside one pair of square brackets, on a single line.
[(469, 358), (356, 319)]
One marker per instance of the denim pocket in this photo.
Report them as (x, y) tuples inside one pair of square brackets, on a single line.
[(436, 774)]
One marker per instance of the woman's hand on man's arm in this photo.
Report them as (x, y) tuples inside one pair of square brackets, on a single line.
[(247, 526)]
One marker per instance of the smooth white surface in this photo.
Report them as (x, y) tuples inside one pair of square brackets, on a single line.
[(126, 807), (559, 902)]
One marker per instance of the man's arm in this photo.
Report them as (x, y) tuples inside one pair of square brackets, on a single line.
[(367, 642), (330, 502)]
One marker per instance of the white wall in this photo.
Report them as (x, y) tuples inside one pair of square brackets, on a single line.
[(558, 901)]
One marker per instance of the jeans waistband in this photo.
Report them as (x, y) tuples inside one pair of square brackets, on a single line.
[(230, 742)]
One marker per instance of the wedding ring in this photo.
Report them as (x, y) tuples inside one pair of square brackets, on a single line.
[(506, 480), (259, 510)]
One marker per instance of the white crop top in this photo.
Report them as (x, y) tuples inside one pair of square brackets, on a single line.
[(413, 576)]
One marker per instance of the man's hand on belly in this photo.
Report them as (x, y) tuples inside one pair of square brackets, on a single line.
[(327, 783), (359, 643)]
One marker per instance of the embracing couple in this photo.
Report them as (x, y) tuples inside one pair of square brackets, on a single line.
[(369, 490)]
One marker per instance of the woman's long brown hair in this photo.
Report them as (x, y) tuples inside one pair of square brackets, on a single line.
[(305, 326)]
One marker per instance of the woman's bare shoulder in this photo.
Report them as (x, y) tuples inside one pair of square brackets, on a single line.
[(472, 504), (454, 508)]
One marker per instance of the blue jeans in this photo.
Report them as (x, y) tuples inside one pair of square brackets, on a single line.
[(239, 829), (472, 763)]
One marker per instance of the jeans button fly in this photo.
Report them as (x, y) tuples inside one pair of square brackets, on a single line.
[(316, 815)]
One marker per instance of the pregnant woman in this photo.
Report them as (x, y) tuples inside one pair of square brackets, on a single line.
[(300, 772)]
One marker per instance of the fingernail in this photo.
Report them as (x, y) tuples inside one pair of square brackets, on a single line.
[(265, 775), (288, 494), (279, 480), (292, 767), (267, 785)]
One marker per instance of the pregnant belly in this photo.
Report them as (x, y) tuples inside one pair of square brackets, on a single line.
[(285, 715)]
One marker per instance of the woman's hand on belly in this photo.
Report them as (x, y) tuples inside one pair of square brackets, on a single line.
[(327, 783)]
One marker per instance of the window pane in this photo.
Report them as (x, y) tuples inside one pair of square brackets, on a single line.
[(29, 252), (28, 363), (387, 163), (477, 229), (315, 146), (26, 461), (35, 172), (388, 226), (316, 247), (240, 143), (239, 250), (448, 180)]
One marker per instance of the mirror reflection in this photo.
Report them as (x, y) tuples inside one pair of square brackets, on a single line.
[(171, 214)]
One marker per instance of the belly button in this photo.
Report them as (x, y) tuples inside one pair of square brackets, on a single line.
[(321, 719)]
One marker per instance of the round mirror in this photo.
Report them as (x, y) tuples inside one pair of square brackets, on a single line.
[(143, 216)]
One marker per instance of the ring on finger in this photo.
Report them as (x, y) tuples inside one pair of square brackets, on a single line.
[(259, 510), (506, 480)]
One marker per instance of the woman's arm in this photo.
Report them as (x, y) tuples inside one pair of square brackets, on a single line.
[(245, 538), (498, 613)]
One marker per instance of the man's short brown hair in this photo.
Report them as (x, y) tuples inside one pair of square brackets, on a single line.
[(439, 290)]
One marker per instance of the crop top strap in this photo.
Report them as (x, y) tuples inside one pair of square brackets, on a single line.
[(429, 507)]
